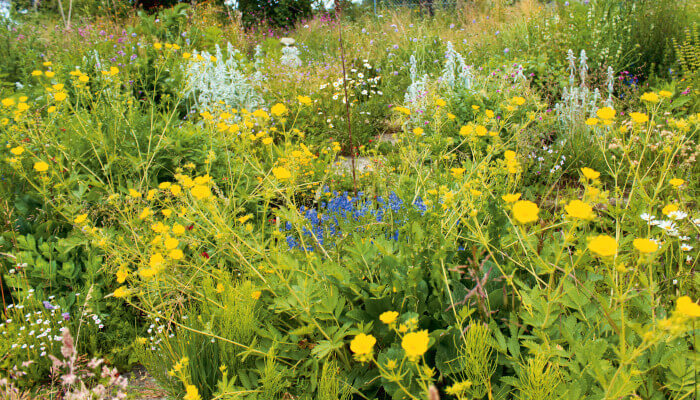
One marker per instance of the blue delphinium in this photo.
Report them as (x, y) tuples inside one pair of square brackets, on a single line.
[(327, 220)]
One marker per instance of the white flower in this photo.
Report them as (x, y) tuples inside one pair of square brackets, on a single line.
[(677, 215), (647, 217), (686, 247), (666, 225)]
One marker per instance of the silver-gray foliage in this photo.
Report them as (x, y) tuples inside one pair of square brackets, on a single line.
[(210, 81)]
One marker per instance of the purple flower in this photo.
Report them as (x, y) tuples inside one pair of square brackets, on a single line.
[(66, 316), (48, 305)]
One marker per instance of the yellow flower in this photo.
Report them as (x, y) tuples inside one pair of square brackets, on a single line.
[(120, 292), (202, 180), (466, 130), (481, 130), (156, 260), (167, 212), (591, 121), (440, 103), (669, 208), (83, 78), (304, 100), (489, 113), (650, 97), (403, 110), (178, 229), (8, 102), (475, 107), (639, 118), (281, 173), (50, 74), (148, 272), (645, 245), (145, 213), (51, 109), (200, 192), (418, 131), (579, 209), (278, 110), (220, 288), (186, 55), (686, 306), (665, 93), (133, 193), (675, 182), (256, 294), (603, 245), (518, 100), (176, 254), (17, 150), (159, 227), (36, 72), (389, 317), (511, 198), (590, 173), (605, 113), (451, 116), (121, 275), (261, 114), (80, 218), (457, 172), (525, 211), (22, 107), (175, 190), (41, 166), (415, 344), (192, 393), (113, 70), (362, 344), (157, 46), (171, 243), (267, 140)]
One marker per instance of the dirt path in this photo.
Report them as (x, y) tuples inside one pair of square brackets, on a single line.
[(142, 386)]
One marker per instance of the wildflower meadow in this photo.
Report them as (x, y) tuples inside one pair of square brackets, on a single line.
[(296, 199)]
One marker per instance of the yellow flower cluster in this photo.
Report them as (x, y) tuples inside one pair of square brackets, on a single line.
[(512, 164)]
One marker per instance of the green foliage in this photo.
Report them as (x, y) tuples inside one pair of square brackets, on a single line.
[(218, 246), (280, 14)]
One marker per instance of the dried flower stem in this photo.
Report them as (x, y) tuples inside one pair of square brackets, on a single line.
[(339, 13)]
